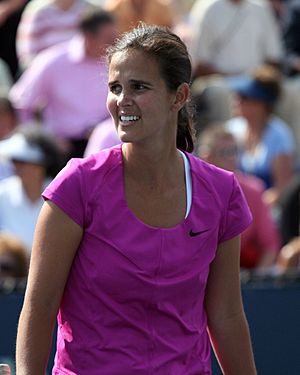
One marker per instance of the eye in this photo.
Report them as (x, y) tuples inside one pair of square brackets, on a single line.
[(138, 86), (115, 88)]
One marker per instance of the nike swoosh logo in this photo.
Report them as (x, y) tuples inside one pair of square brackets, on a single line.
[(194, 234)]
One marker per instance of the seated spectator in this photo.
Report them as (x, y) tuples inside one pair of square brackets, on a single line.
[(36, 160), (13, 257), (266, 142), (260, 242), (230, 38), (128, 13), (45, 23), (67, 83), (103, 136)]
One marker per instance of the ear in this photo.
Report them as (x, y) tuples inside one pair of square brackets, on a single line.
[(182, 95)]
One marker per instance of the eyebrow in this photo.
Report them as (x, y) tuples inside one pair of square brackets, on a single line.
[(140, 81), (132, 81)]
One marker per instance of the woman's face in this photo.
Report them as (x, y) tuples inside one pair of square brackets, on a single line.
[(253, 110), (141, 105)]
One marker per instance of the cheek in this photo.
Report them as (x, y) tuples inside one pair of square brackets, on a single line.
[(111, 104)]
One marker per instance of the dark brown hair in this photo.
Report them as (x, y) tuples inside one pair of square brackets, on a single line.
[(174, 63)]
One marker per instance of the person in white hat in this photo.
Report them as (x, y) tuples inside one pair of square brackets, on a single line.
[(36, 160)]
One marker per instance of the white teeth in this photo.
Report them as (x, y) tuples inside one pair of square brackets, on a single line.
[(129, 118)]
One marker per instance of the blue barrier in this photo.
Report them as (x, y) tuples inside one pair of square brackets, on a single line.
[(272, 309)]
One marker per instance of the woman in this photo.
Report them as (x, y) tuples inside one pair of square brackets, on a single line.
[(267, 142), (151, 255)]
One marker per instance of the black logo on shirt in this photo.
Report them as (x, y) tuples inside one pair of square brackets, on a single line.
[(194, 234)]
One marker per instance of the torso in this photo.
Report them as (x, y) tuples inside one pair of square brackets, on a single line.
[(131, 278)]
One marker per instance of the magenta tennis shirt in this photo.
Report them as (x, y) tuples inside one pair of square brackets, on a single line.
[(133, 302)]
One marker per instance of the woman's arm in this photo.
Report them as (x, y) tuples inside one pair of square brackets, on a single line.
[(56, 240), (227, 325)]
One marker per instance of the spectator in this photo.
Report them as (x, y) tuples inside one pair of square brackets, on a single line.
[(260, 242), (129, 12), (36, 161), (45, 23), (230, 37), (13, 257), (69, 82), (266, 141), (233, 37)]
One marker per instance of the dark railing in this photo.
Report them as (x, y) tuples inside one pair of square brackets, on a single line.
[(272, 305)]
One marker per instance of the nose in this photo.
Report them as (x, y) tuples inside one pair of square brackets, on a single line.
[(124, 99)]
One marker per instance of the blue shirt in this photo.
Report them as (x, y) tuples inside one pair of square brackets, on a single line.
[(277, 138)]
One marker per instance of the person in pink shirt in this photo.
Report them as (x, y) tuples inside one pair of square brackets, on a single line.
[(45, 23), (260, 242), (67, 84), (137, 246)]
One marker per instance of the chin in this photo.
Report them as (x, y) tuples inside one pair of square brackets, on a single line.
[(124, 136)]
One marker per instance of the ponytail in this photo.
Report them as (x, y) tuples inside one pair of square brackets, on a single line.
[(185, 132)]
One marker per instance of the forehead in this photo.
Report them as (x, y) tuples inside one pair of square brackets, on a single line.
[(133, 64)]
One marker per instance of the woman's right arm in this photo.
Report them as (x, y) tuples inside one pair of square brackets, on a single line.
[(56, 240)]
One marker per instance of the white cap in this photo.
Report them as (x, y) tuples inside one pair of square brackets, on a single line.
[(18, 148)]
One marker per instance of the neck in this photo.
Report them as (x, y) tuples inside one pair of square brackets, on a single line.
[(64, 4), (151, 167)]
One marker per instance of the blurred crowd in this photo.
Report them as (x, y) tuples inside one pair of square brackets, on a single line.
[(245, 97)]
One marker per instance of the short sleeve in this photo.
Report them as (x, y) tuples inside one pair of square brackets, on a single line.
[(67, 191), (237, 215)]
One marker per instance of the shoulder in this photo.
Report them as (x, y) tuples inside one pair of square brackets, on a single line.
[(81, 181), (214, 179), (279, 133), (279, 126), (97, 165), (49, 58)]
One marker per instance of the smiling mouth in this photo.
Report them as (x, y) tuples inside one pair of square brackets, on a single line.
[(129, 119)]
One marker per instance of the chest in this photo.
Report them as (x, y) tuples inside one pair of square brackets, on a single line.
[(164, 208)]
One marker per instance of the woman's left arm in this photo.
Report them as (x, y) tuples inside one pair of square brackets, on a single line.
[(227, 324)]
